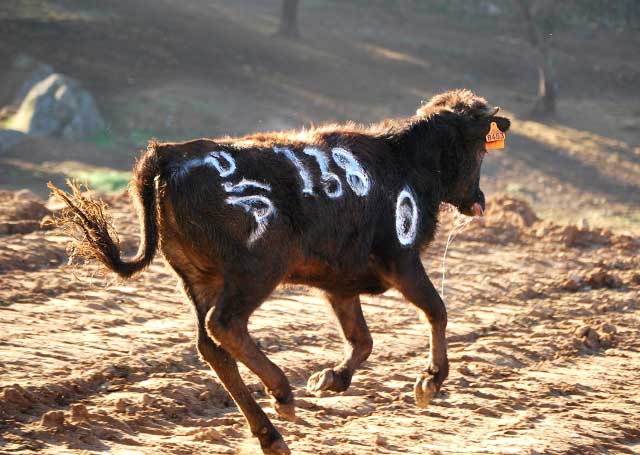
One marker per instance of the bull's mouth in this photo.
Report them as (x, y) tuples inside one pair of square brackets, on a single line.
[(475, 208)]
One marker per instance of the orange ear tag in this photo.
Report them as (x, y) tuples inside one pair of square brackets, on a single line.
[(495, 138)]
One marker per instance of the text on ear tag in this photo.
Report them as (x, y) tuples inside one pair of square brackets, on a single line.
[(495, 138)]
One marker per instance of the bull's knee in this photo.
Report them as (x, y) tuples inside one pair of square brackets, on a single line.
[(222, 331)]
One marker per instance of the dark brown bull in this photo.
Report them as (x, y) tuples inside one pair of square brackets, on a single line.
[(347, 209)]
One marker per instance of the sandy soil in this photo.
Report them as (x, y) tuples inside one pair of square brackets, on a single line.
[(543, 340), (544, 334)]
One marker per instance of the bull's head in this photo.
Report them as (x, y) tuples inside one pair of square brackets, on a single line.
[(466, 119)]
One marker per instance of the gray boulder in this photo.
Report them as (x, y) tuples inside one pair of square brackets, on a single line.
[(9, 138), (19, 76), (32, 71), (58, 106)]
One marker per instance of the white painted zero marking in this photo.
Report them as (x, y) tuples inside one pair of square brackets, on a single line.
[(406, 217)]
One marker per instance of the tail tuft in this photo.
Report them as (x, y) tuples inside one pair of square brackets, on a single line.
[(86, 220)]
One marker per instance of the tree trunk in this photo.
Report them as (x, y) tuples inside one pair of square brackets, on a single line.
[(547, 93), (289, 19), (546, 102)]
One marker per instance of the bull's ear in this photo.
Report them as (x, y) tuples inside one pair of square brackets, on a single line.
[(479, 128), (502, 122)]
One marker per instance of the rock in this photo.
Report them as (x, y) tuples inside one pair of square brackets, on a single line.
[(582, 331), (146, 399), (58, 106), (572, 284), (608, 328), (589, 337), (9, 138), (15, 395), (79, 411), (592, 340), (600, 278), (52, 419), (21, 205), (19, 76), (572, 236), (380, 440), (121, 405), (21, 212), (32, 72)]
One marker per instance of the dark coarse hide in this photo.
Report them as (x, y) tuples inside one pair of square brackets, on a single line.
[(235, 218)]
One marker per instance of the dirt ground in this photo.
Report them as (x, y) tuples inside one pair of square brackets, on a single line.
[(543, 293), (544, 343)]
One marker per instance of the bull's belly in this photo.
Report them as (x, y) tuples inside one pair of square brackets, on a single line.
[(344, 282)]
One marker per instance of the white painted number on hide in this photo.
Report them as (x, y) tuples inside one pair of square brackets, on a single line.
[(243, 185), (331, 183), (213, 159), (260, 207), (406, 217), (307, 184), (357, 178)]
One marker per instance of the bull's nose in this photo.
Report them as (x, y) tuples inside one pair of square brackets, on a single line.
[(478, 206)]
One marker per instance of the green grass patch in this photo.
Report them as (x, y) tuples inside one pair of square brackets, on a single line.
[(103, 139), (104, 181)]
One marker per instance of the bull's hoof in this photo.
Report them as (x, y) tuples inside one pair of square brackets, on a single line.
[(285, 410), (327, 380), (277, 447), (426, 387)]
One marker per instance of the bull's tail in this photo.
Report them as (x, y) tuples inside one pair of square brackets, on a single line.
[(95, 238)]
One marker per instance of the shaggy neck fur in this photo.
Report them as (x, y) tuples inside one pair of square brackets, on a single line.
[(429, 145)]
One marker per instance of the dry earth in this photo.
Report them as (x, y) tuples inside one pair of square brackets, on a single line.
[(543, 338), (544, 318)]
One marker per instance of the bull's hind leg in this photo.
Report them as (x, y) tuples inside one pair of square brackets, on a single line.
[(358, 345), (226, 369), (411, 280), (227, 324)]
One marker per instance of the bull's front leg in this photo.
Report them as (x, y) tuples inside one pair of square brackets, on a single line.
[(414, 284), (358, 345)]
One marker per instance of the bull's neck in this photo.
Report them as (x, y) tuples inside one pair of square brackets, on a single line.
[(419, 148)]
